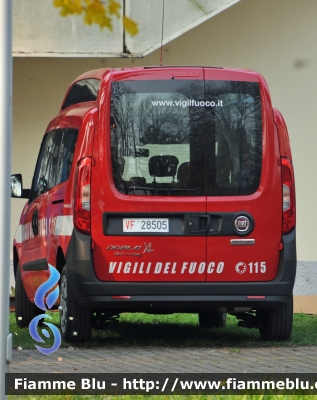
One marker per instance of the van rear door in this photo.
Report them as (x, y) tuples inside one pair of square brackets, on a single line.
[(244, 190), (148, 184)]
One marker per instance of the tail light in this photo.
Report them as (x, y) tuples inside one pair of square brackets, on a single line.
[(289, 208), (82, 195)]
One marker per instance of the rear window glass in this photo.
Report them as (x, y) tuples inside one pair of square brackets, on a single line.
[(186, 138)]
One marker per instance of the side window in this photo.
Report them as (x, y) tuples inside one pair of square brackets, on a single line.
[(47, 169), (55, 160), (66, 155), (81, 91)]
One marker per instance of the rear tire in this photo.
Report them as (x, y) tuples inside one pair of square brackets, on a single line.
[(25, 310), (212, 319), (276, 323), (76, 322)]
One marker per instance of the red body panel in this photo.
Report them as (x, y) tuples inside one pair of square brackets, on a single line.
[(284, 142), (54, 205)]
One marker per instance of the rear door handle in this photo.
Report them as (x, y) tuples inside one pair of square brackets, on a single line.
[(207, 227)]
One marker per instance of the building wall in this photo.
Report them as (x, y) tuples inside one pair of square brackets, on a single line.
[(277, 38)]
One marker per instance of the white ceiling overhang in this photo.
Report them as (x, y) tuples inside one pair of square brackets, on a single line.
[(39, 30)]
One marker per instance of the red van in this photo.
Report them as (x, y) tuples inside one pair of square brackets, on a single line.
[(159, 190)]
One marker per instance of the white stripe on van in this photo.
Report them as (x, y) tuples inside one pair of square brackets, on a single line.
[(18, 234), (64, 225)]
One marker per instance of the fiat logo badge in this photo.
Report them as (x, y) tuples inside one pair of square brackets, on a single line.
[(242, 224)]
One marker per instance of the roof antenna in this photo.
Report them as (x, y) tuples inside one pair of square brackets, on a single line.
[(161, 56)]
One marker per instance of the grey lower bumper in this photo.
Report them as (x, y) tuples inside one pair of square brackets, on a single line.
[(95, 294)]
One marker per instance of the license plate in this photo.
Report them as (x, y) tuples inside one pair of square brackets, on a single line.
[(145, 225)]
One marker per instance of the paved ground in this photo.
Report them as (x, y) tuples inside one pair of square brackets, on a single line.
[(167, 360)]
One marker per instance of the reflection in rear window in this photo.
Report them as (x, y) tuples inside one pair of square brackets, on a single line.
[(186, 138)]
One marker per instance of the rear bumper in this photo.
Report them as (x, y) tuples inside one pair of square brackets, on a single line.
[(191, 303), (154, 297)]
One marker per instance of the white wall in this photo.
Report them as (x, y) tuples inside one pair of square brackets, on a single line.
[(277, 38)]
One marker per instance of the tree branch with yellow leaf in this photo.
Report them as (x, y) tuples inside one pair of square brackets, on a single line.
[(96, 12)]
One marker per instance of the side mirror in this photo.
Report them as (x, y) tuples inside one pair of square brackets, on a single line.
[(17, 187)]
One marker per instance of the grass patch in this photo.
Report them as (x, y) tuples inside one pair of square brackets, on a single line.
[(175, 330)]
